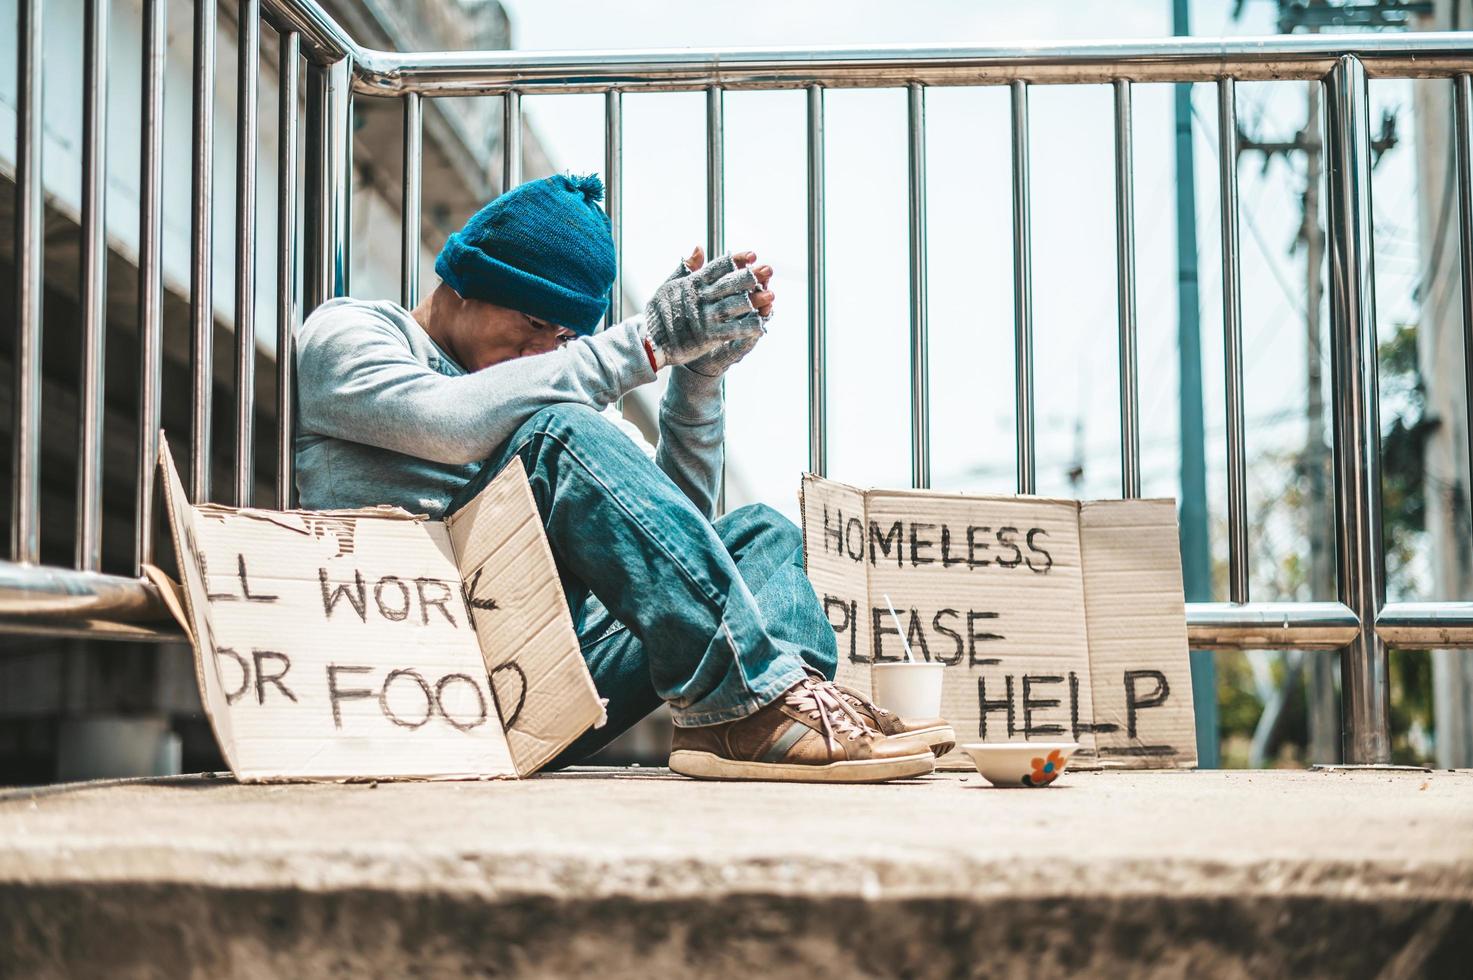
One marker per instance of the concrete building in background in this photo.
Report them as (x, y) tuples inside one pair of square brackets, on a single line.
[(1443, 360), (78, 708)]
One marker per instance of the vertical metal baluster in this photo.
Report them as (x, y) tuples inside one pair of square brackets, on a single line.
[(1232, 331), (920, 358), (247, 130), (716, 218), (1130, 435), (818, 455), (316, 181), (1463, 102), (344, 147), (150, 278), (94, 286), (201, 256), (715, 174), (329, 182), (511, 140), (346, 187), (1023, 290), (410, 222), (1365, 689), (289, 78), (30, 225), (614, 194), (344, 129)]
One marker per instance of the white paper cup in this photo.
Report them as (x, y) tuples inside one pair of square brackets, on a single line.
[(911, 690)]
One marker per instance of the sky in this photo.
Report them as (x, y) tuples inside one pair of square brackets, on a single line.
[(969, 241)]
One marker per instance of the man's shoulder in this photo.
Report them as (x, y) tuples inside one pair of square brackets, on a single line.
[(345, 312), (355, 323)]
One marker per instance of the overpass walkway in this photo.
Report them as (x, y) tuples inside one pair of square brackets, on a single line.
[(637, 873)]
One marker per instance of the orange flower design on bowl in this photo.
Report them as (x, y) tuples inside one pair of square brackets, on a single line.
[(1045, 770)]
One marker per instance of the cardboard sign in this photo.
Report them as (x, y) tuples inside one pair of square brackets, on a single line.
[(1057, 620), (375, 644)]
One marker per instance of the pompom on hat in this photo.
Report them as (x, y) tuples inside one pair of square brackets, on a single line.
[(544, 249)]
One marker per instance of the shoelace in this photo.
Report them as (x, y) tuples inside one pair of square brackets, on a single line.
[(851, 696), (860, 702), (821, 701)]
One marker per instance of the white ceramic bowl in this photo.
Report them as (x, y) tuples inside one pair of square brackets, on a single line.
[(1020, 763)]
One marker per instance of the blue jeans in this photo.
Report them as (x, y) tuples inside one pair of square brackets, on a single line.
[(715, 619)]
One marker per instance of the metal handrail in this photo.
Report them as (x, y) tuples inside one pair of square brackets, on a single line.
[(38, 599), (1303, 57), (82, 602)]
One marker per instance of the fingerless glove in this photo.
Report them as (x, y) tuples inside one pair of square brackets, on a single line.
[(695, 313)]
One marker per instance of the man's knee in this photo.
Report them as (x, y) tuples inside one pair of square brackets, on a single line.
[(566, 426), (768, 522), (567, 417)]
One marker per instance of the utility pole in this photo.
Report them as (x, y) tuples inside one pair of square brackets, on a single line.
[(1196, 554), (1075, 472), (1314, 458)]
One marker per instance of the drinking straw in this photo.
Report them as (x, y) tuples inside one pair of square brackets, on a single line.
[(904, 642)]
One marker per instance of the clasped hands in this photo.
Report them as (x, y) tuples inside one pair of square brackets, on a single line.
[(708, 317)]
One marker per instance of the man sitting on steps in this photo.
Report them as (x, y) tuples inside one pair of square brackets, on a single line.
[(422, 407)]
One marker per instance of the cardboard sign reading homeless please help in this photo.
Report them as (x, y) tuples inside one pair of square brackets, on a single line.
[(377, 644), (1057, 620)]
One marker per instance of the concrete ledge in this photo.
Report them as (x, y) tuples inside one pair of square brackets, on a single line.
[(639, 873)]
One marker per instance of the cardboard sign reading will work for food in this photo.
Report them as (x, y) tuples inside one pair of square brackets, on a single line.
[(1057, 620), (376, 644)]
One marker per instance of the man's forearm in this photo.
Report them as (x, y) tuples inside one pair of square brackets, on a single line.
[(692, 430), (379, 401)]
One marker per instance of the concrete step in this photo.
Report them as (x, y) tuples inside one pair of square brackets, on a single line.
[(637, 873)]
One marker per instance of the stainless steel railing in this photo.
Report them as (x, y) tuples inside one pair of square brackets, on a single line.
[(82, 601)]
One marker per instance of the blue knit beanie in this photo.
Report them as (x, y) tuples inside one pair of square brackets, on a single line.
[(543, 248)]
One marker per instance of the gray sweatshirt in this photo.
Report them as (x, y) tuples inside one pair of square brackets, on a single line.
[(384, 416)]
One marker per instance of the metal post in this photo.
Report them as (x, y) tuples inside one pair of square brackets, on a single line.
[(248, 72), (614, 194), (818, 453), (1022, 291), (329, 181), (30, 230), (318, 173), (1232, 331), (716, 220), (1463, 105), (201, 255), (347, 126), (289, 75), (1357, 452), (1323, 700), (1130, 436), (150, 275), (715, 174), (511, 140), (1196, 552), (920, 358), (93, 286), (410, 219)]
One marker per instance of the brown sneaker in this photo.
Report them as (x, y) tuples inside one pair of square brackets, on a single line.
[(810, 734), (934, 732)]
